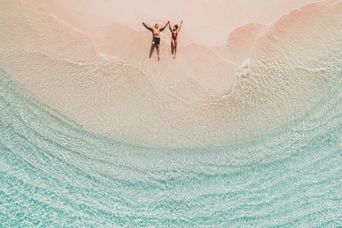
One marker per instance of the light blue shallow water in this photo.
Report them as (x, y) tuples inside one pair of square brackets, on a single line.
[(52, 172)]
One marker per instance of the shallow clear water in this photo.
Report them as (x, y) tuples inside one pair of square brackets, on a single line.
[(54, 172)]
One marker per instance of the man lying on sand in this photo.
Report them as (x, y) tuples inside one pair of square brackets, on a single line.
[(156, 30)]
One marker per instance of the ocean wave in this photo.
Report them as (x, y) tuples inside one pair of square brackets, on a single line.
[(53, 172)]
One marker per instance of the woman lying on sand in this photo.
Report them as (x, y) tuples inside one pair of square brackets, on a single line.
[(175, 31), (156, 37)]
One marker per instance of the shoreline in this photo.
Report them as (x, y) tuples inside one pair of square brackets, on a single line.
[(186, 102)]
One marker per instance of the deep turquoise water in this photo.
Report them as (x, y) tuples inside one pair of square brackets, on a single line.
[(55, 173)]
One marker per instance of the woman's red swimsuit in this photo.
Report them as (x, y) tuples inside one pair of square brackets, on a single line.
[(174, 35)]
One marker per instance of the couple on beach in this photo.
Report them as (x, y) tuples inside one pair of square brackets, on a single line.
[(156, 30)]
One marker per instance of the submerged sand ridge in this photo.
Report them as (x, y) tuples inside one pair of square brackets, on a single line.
[(205, 97)]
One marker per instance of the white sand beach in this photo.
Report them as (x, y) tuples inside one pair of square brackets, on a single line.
[(238, 65)]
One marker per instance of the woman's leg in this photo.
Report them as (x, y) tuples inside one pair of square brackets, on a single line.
[(175, 49), (172, 47)]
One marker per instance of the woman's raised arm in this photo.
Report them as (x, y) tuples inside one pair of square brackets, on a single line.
[(180, 25), (170, 27), (166, 24)]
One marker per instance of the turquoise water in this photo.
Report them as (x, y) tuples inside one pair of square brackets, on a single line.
[(53, 172)]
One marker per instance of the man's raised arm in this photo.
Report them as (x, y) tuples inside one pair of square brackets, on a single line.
[(147, 27)]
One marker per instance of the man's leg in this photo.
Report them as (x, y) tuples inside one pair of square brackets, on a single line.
[(158, 51), (151, 50)]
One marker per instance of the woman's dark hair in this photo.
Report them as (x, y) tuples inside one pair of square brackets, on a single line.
[(176, 26)]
